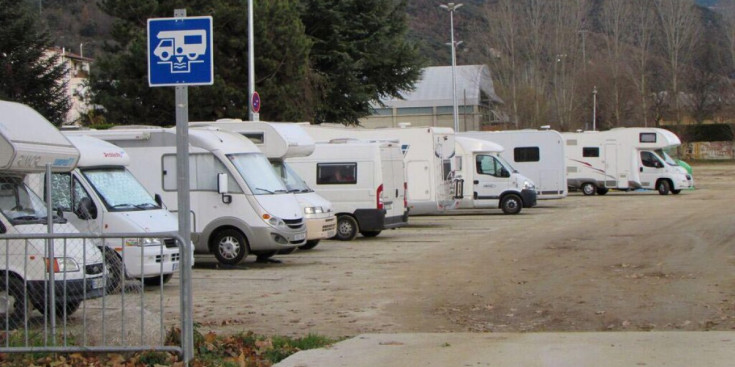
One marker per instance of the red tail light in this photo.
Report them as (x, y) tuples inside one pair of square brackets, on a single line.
[(379, 195), (405, 195)]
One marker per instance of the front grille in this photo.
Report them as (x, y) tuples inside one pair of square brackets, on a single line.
[(294, 223), (170, 243), (329, 227), (94, 269)]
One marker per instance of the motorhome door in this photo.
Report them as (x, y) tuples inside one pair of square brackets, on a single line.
[(651, 168), (611, 166), (490, 180)]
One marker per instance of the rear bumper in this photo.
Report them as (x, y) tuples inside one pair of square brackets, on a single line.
[(68, 290), (375, 220)]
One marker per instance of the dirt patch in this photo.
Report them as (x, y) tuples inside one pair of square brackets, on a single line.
[(623, 261)]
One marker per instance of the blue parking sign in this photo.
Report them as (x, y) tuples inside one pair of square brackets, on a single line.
[(180, 51)]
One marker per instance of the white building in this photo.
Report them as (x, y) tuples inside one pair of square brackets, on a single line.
[(431, 102), (77, 74)]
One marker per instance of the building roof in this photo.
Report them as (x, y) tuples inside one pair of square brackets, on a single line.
[(434, 88)]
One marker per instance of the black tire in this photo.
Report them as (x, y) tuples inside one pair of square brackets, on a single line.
[(157, 280), (511, 204), (17, 304), (588, 188), (229, 246), (602, 190), (115, 269), (310, 244), (347, 228), (663, 187), (370, 233), (675, 192)]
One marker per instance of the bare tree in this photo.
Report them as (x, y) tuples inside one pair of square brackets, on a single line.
[(503, 51), (641, 24), (614, 17), (679, 23), (534, 16)]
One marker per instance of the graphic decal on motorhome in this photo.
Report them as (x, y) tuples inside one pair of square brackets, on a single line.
[(404, 148), (601, 171)]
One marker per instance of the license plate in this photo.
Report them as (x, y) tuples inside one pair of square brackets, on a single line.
[(299, 236), (98, 283)]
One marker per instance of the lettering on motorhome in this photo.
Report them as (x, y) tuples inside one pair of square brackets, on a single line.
[(112, 155), (28, 161)]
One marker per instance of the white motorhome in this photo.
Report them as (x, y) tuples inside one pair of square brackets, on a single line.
[(537, 154), (101, 196), (28, 142), (624, 159), (279, 141), (365, 181), (489, 180), (239, 206), (428, 154)]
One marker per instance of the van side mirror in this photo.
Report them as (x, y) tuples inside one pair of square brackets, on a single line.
[(86, 210), (158, 200), (504, 173), (222, 188), (2, 228)]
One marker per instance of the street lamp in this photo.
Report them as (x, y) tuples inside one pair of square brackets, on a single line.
[(594, 107), (252, 116), (451, 7)]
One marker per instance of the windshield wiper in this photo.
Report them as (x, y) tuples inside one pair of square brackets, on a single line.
[(146, 206), (122, 205), (261, 189)]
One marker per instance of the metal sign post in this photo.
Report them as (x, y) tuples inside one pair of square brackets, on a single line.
[(180, 54)]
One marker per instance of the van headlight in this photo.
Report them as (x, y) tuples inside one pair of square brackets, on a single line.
[(313, 210), (142, 242), (62, 265), (528, 185), (274, 221)]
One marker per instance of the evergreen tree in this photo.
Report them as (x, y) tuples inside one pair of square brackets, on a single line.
[(29, 72), (120, 80), (360, 54)]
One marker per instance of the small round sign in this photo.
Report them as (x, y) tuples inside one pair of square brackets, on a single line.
[(255, 102)]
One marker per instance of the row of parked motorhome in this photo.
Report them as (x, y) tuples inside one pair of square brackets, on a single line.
[(268, 188)]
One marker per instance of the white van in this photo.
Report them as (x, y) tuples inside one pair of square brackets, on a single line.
[(279, 141), (624, 159), (489, 180), (428, 153), (537, 154), (239, 206), (365, 181), (101, 196), (28, 142)]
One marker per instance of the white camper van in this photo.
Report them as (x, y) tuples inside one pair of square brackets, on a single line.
[(28, 142), (428, 154), (537, 154), (279, 141), (365, 181), (490, 181), (623, 159), (101, 196), (239, 206)]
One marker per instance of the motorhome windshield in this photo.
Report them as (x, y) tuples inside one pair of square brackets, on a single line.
[(667, 158), (119, 189), (258, 173), (293, 181), (505, 164), (20, 204)]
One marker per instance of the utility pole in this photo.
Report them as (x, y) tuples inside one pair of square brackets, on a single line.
[(451, 7)]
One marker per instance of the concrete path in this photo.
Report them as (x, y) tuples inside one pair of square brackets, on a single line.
[(593, 349)]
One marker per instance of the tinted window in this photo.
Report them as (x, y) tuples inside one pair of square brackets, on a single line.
[(526, 154), (648, 137), (590, 152), (336, 173)]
